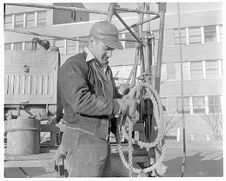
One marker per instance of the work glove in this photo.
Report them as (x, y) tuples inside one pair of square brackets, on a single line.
[(132, 107), (124, 89), (128, 106), (136, 92), (123, 106)]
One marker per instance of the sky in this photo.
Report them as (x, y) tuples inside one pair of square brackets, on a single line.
[(104, 7), (171, 7)]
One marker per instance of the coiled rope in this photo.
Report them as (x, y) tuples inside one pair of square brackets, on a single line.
[(158, 114)]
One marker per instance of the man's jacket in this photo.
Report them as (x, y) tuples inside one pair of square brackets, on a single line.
[(85, 107)]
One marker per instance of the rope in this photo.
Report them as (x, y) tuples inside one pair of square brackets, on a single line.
[(158, 114), (130, 151)]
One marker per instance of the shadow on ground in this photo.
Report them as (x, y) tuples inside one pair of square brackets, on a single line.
[(196, 165)]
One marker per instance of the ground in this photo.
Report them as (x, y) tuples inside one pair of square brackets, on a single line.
[(203, 159)]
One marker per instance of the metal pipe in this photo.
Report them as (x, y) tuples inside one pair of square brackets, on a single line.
[(135, 11), (57, 37), (57, 7), (182, 91), (140, 26), (44, 35), (140, 23), (127, 27), (162, 9)]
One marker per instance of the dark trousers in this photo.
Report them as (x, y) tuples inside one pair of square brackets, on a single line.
[(86, 155)]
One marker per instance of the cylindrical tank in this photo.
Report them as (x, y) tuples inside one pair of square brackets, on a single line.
[(23, 136)]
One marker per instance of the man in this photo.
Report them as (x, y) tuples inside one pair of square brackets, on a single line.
[(90, 100)]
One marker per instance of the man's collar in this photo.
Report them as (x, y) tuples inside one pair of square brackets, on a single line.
[(90, 55)]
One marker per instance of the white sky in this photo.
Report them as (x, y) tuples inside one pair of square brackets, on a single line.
[(104, 7)]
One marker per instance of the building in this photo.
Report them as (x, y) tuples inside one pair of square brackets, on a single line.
[(201, 30)]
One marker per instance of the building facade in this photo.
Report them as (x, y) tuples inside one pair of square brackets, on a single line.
[(201, 37)]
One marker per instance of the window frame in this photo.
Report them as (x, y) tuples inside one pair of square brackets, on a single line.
[(195, 35), (186, 106), (196, 69), (15, 21), (206, 33), (214, 104), (197, 107)]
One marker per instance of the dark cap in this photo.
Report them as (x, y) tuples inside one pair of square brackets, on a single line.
[(107, 33)]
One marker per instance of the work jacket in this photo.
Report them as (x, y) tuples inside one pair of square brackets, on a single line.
[(85, 107)]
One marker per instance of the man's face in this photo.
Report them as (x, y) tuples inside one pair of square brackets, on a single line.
[(101, 51)]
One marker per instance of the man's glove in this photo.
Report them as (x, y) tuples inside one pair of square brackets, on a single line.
[(136, 92), (124, 89), (128, 106), (132, 107)]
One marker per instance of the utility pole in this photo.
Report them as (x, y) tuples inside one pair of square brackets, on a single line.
[(182, 90)]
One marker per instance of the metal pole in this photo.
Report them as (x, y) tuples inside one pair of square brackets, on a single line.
[(140, 23), (162, 9), (182, 92), (127, 27), (140, 26), (57, 7), (44, 35), (136, 11), (56, 37)]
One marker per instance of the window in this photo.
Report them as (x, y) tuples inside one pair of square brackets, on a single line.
[(185, 70), (210, 34), (41, 18), (212, 70), (129, 36), (164, 103), (198, 104), (186, 105), (173, 71), (7, 46), (195, 35), (196, 70), (19, 21), (28, 45), (60, 44), (8, 22), (18, 46), (82, 44), (214, 104), (30, 19), (177, 38), (163, 72), (221, 33), (170, 71)]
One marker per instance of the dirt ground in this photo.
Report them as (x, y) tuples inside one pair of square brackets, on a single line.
[(203, 159)]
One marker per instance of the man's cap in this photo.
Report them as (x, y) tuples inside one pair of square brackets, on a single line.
[(107, 33)]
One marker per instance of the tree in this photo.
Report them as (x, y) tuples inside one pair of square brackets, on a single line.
[(170, 123), (215, 122)]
